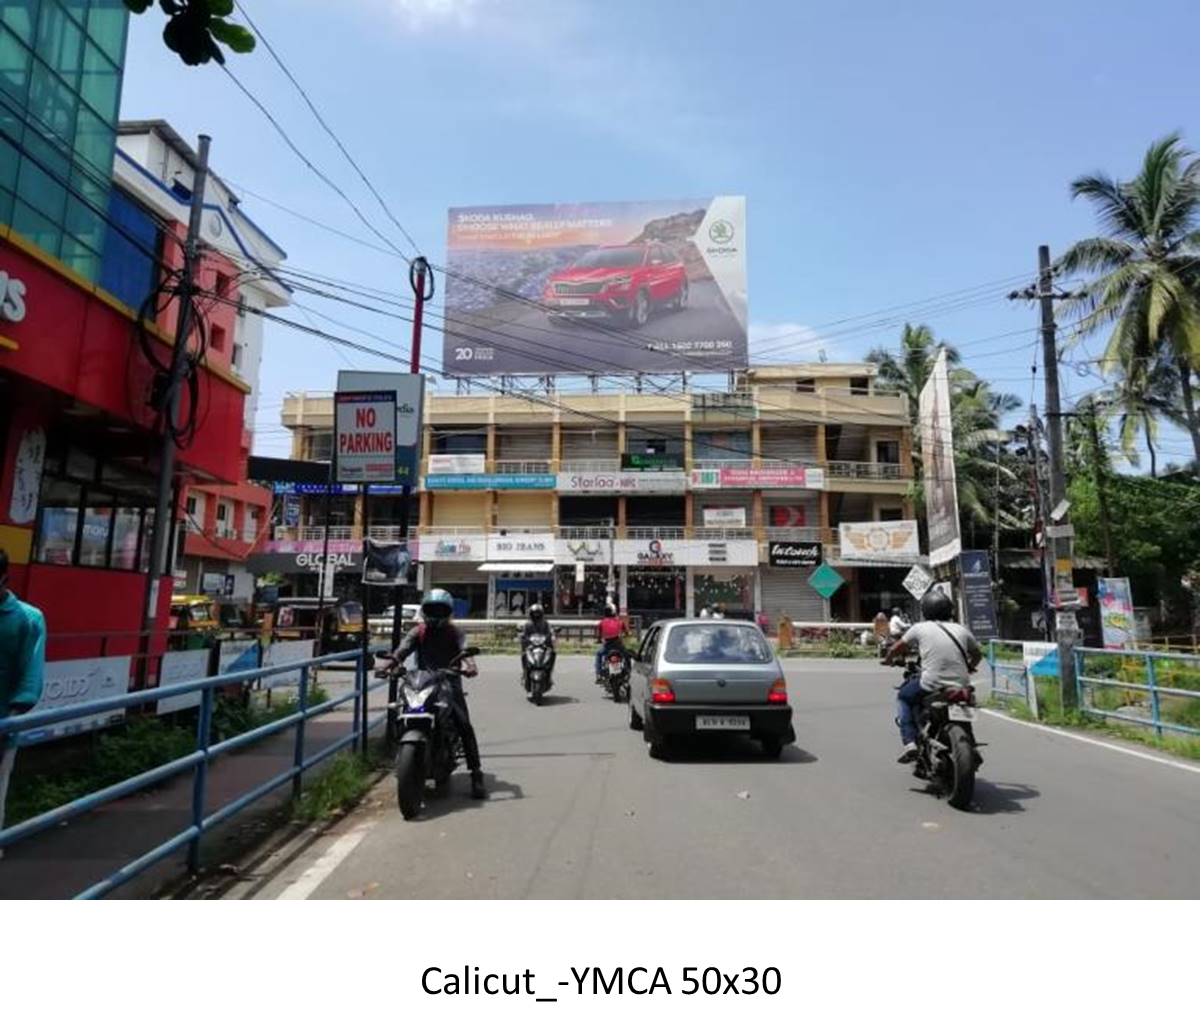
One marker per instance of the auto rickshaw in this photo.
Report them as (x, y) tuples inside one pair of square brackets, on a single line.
[(193, 622), (295, 618)]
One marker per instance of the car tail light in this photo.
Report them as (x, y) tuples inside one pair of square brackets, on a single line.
[(778, 694), (661, 692)]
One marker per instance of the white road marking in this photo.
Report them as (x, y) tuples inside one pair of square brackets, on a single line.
[(1096, 743), (315, 875)]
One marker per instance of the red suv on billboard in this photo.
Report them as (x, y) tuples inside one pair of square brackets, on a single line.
[(626, 282)]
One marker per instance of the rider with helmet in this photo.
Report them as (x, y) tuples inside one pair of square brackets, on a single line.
[(949, 655), (609, 631), (536, 624), (436, 642)]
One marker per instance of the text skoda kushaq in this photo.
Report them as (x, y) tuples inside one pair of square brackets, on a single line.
[(625, 283)]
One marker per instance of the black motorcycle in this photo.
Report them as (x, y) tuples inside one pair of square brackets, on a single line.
[(615, 675), (429, 747), (948, 754), (538, 656)]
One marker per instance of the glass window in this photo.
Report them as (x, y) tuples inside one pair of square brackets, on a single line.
[(97, 530), (36, 227), (106, 26), (20, 16), (80, 464), (59, 42), (80, 257), (15, 60), (147, 540), (9, 161), (100, 86), (718, 644), (51, 105), (58, 522), (126, 527)]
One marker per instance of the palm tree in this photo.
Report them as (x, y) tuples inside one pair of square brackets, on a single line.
[(1141, 403), (1145, 273)]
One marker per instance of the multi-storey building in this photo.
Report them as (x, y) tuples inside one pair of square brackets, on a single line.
[(670, 500)]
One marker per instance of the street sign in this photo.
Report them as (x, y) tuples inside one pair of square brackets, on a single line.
[(410, 396), (365, 437), (826, 580), (977, 594), (917, 582), (1065, 591)]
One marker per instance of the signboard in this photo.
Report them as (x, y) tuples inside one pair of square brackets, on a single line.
[(917, 582), (435, 547), (652, 461), (1065, 590), (27, 475), (938, 461), (410, 397), (621, 482), (787, 516), (498, 481), (725, 517), (284, 652), (1117, 613), (879, 540), (579, 573), (385, 564), (213, 584), (977, 594), (365, 437), (462, 464), (237, 656), (12, 298), (793, 554), (582, 552), (521, 547), (826, 581), (74, 682), (661, 553), (739, 478), (672, 271), (182, 667), (291, 510)]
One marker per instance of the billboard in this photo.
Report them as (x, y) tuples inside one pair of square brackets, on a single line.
[(886, 541), (938, 461), (976, 572), (1117, 613), (631, 286)]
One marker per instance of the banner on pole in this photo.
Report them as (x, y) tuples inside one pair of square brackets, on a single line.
[(978, 595), (938, 460)]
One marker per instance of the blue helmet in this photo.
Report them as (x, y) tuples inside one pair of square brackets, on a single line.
[(436, 608)]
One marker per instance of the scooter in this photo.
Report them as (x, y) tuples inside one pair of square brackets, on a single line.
[(537, 659), (615, 675)]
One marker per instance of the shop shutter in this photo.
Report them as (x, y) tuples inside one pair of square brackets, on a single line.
[(588, 445), (524, 509), (531, 446), (789, 443), (457, 509), (787, 591)]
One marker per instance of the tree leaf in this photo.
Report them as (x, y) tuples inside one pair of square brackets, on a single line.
[(139, 6), (220, 8), (238, 38)]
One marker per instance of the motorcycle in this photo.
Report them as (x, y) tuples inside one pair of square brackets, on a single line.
[(948, 753), (429, 747), (615, 675), (538, 656)]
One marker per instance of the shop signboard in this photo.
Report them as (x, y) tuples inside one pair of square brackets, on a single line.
[(717, 517), (284, 652), (439, 548), (460, 464), (291, 510), (590, 267), (1117, 613), (495, 481), (662, 553), (182, 667), (409, 388), (978, 600), (521, 547), (793, 554), (651, 462), (365, 437), (740, 478), (584, 552), (630, 482), (75, 681), (651, 553), (883, 541)]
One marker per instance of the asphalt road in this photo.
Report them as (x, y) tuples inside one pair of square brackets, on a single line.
[(579, 810), (525, 340)]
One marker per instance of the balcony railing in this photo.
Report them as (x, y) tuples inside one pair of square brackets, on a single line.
[(656, 532), (872, 470), (590, 465), (803, 534), (586, 532), (506, 466), (391, 533)]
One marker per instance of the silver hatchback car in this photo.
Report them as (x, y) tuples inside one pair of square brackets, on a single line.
[(706, 676)]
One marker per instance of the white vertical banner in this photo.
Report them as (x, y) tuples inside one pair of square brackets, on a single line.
[(938, 460)]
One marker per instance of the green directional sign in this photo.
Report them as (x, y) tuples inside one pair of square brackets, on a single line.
[(826, 580)]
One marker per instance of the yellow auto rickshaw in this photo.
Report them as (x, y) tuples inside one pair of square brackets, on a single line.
[(341, 622), (193, 622)]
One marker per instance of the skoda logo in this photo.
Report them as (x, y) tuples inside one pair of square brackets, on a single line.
[(721, 232)]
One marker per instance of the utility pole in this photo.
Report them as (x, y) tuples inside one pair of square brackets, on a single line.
[(164, 514), (1057, 532)]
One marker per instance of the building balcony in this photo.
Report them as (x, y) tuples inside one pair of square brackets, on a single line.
[(872, 471)]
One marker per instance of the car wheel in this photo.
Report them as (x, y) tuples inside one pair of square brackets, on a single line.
[(660, 748), (772, 747), (635, 719), (681, 300), (640, 310)]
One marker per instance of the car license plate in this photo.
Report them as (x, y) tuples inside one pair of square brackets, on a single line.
[(723, 722), (957, 713), (573, 302)]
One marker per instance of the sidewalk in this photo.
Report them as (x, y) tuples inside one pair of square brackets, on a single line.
[(60, 863)]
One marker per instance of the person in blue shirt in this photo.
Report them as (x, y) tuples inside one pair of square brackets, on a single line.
[(22, 666)]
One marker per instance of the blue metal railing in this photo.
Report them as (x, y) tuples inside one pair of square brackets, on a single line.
[(1149, 713), (1009, 678), (198, 761)]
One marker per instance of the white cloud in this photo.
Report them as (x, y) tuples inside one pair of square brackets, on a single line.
[(787, 342), (418, 15)]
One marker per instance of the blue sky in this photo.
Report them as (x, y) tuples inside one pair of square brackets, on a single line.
[(889, 152)]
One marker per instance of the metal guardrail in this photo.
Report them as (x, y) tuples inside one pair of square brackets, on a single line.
[(199, 760), (1163, 704)]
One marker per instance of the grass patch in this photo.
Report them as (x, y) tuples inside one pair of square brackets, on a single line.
[(338, 786)]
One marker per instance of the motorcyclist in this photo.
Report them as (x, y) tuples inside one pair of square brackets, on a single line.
[(537, 625), (949, 655), (436, 642), (609, 631), (897, 625)]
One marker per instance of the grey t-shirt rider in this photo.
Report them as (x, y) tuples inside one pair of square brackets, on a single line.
[(942, 662)]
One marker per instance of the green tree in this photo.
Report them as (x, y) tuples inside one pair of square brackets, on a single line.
[(1145, 279), (196, 29)]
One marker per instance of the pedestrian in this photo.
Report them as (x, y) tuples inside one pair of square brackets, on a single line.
[(22, 667)]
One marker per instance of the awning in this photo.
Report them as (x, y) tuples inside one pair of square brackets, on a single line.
[(516, 566)]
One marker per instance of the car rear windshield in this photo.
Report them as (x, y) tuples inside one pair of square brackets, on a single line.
[(716, 645), (617, 257)]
